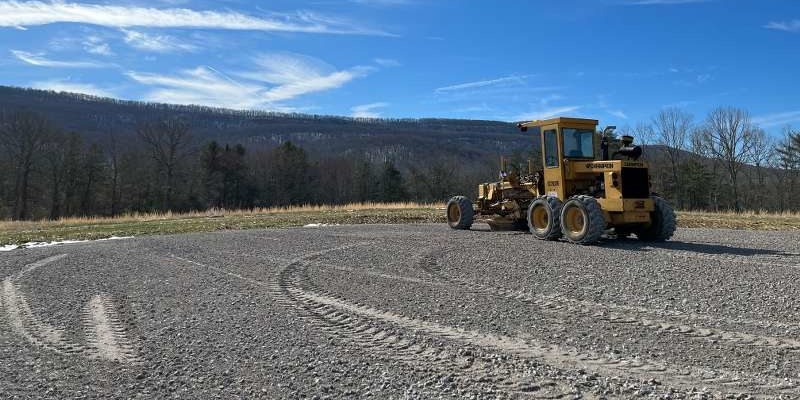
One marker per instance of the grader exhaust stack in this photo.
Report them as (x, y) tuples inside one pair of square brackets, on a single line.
[(588, 185)]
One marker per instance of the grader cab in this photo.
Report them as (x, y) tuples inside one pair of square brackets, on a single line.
[(588, 185)]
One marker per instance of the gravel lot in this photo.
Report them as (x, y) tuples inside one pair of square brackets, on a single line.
[(403, 311)]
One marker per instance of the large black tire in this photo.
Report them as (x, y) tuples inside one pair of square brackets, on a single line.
[(582, 220), (662, 223), (544, 216), (460, 213)]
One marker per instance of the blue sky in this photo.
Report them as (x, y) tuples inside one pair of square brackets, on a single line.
[(616, 60)]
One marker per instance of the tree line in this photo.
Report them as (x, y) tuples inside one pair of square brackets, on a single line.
[(48, 173), (721, 162), (724, 161)]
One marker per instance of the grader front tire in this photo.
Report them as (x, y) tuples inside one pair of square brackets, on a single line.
[(460, 213), (582, 220), (544, 216)]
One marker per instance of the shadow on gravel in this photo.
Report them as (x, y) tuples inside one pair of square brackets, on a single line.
[(635, 245)]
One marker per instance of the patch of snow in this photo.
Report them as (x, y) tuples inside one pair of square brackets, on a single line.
[(31, 245), (318, 225)]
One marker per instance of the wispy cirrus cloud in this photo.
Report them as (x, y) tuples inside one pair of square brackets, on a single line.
[(32, 13), (295, 75), (96, 45), (202, 86), (368, 110), (518, 79), (41, 61), (777, 119), (59, 85), (276, 78), (618, 113), (387, 62), (156, 43), (787, 26), (546, 113)]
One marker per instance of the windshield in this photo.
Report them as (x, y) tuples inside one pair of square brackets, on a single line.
[(578, 143)]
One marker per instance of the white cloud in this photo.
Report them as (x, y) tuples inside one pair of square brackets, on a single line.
[(96, 45), (155, 43), (72, 87), (368, 110), (776, 119), (546, 113), (387, 62), (32, 13), (788, 26), (278, 78), (40, 61), (199, 86), (618, 113), (478, 84), (296, 75)]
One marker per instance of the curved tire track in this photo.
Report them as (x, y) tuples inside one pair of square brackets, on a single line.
[(677, 375), (363, 325), (105, 332), (361, 329), (641, 316), (23, 320)]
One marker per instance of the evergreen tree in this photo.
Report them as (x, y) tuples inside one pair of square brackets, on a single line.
[(392, 186)]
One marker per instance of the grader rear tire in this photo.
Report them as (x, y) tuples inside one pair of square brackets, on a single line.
[(662, 223), (460, 213), (582, 220), (544, 216)]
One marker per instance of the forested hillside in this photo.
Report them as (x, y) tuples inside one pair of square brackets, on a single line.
[(68, 154)]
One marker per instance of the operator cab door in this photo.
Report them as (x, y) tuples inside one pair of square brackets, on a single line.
[(551, 153)]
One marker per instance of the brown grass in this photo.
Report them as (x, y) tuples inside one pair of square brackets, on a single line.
[(212, 213), (141, 224)]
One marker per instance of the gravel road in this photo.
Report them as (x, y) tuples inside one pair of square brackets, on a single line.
[(402, 311)]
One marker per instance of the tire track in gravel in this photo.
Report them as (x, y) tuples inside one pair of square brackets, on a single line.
[(686, 376), (105, 332), (23, 320), (356, 323), (359, 328), (619, 314)]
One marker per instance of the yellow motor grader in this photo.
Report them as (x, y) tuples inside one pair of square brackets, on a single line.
[(588, 185)]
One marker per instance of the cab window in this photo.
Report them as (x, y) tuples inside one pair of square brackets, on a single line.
[(551, 148), (578, 143)]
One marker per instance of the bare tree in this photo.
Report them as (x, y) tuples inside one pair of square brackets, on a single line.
[(762, 149), (728, 136), (672, 126), (168, 142), (112, 148), (786, 164), (55, 154), (23, 135), (643, 134)]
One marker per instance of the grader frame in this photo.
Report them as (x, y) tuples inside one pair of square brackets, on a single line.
[(588, 185)]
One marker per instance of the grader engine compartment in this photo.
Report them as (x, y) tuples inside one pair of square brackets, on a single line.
[(589, 184)]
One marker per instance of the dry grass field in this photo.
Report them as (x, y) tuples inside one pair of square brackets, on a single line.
[(138, 224)]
